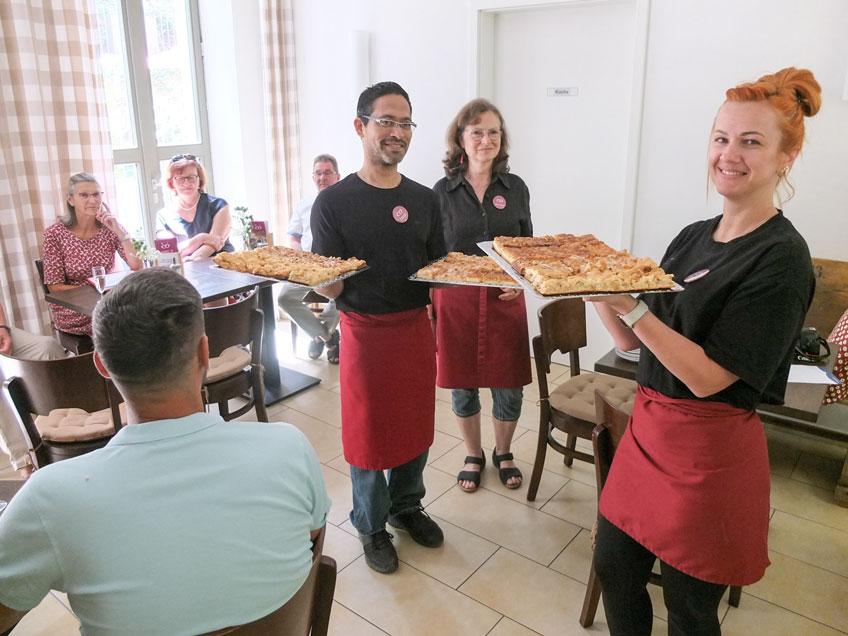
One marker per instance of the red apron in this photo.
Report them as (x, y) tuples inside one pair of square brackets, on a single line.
[(690, 482), (388, 372), (482, 341)]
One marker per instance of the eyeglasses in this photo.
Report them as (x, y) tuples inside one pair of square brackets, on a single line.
[(177, 158), (385, 122), (477, 135), (324, 173), (85, 196), (189, 178)]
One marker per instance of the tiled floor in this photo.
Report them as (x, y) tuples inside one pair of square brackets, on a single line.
[(512, 568)]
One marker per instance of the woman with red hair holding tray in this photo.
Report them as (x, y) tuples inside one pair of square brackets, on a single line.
[(690, 480)]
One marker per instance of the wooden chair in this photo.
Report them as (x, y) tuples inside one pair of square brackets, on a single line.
[(316, 304), (569, 407), (75, 343), (43, 394), (612, 423), (831, 297), (235, 350), (304, 614)]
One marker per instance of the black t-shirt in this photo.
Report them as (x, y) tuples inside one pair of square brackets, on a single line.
[(396, 231), (746, 312), (505, 211)]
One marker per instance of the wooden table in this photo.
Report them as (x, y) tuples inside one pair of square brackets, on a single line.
[(213, 283), (800, 410), (9, 488)]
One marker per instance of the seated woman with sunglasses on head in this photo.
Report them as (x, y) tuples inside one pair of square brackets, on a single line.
[(200, 222), (86, 236)]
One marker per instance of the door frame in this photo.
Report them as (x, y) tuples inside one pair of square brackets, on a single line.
[(481, 20)]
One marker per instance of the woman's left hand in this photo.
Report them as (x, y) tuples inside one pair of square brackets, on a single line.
[(509, 293)]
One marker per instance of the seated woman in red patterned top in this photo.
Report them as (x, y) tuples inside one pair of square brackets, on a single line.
[(86, 236)]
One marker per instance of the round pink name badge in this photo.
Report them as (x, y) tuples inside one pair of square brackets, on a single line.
[(499, 202), (400, 214), (696, 275)]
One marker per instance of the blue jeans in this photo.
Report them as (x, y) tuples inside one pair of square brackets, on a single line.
[(506, 403), (374, 499)]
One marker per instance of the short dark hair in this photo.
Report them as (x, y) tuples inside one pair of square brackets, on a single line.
[(326, 157), (147, 328), (365, 105)]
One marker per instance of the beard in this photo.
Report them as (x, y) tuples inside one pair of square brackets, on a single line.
[(386, 156)]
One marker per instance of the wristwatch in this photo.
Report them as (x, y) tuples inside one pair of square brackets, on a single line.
[(633, 316)]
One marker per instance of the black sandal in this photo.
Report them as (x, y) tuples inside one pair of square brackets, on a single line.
[(506, 473), (472, 475)]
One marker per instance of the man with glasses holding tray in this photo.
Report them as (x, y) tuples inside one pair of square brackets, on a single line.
[(388, 369)]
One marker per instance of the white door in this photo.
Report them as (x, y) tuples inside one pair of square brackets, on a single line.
[(571, 150)]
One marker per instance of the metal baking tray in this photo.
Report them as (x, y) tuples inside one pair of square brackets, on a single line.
[(415, 278), (304, 285), (489, 249)]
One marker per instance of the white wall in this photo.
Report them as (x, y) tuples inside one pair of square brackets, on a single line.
[(232, 61)]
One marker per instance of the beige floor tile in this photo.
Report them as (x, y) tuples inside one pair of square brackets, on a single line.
[(339, 489), (535, 596), (584, 472), (410, 603), (325, 438), (343, 622), (340, 545), (810, 542), (320, 403), (453, 562), (818, 470), (755, 616), (576, 503), (508, 627), (49, 618), (276, 413), (445, 419), (451, 463), (442, 443), (782, 457), (520, 528), (808, 502), (576, 559), (436, 484), (814, 593)]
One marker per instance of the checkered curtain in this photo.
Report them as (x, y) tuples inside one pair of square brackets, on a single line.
[(281, 108), (52, 124)]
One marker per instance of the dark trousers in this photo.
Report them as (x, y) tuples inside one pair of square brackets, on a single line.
[(624, 566)]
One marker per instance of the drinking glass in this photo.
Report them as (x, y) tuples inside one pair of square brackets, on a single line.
[(98, 275)]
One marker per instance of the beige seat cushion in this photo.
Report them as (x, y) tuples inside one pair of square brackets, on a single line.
[(76, 425), (231, 361), (577, 396)]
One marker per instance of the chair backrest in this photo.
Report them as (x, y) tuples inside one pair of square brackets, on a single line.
[(831, 297), (562, 327), (71, 382), (230, 325), (612, 423), (39, 266)]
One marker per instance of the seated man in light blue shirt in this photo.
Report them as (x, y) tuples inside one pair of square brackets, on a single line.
[(183, 523)]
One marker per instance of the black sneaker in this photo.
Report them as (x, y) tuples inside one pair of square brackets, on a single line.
[(423, 530), (316, 347), (380, 553)]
